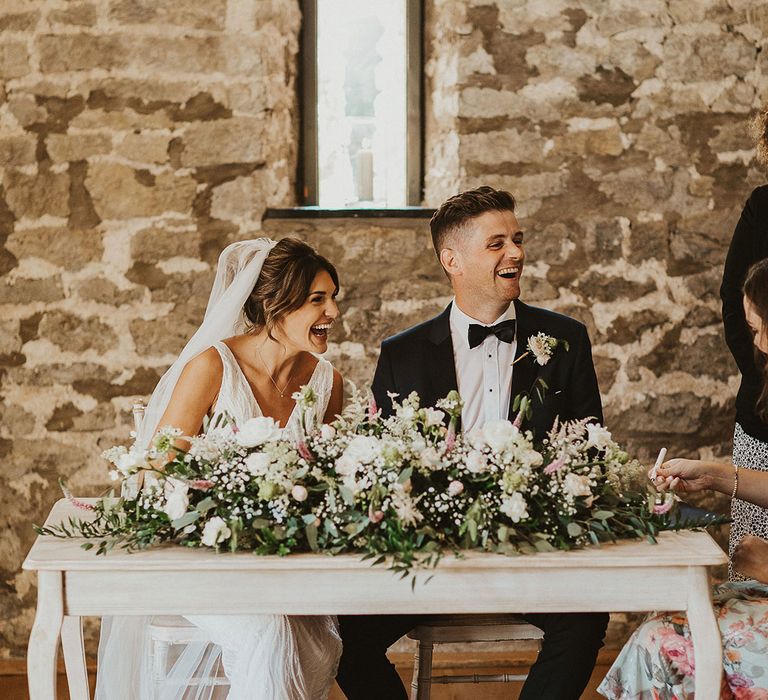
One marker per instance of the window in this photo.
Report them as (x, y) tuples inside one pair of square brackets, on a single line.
[(361, 94)]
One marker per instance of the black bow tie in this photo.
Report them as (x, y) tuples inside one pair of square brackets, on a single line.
[(504, 331)]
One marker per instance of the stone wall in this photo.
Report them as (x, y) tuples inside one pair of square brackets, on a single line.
[(137, 138)]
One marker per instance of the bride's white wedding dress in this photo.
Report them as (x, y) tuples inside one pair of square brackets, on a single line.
[(273, 657), (265, 657)]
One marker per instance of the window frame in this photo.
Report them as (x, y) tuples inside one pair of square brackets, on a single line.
[(308, 176)]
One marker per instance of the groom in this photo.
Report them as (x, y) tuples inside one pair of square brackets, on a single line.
[(472, 346)]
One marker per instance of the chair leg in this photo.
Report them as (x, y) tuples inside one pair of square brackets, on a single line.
[(421, 683)]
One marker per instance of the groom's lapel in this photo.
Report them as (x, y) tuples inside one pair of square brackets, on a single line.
[(441, 366), (524, 372)]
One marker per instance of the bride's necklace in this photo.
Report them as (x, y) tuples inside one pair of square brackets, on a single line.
[(272, 379)]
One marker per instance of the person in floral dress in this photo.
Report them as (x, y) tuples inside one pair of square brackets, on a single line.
[(657, 663)]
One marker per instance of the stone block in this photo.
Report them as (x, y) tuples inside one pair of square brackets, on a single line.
[(120, 192), (73, 147), (161, 337), (662, 415), (106, 292), (626, 329), (17, 150), (497, 146), (18, 21), (707, 56), (69, 418), (144, 147), (25, 291), (81, 14), (69, 248), (102, 385), (26, 110), (596, 285), (14, 59), (606, 369), (155, 244), (61, 53), (184, 13), (236, 140), (16, 420), (33, 196), (76, 334), (10, 337)]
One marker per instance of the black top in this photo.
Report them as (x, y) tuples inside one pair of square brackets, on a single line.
[(421, 359), (749, 244)]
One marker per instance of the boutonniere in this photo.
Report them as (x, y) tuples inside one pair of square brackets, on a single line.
[(541, 347)]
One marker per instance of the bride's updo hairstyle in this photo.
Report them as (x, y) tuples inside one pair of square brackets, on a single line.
[(284, 283), (756, 290)]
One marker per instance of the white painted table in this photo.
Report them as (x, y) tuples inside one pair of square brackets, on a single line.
[(630, 576)]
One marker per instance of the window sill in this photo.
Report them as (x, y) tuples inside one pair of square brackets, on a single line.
[(348, 213)]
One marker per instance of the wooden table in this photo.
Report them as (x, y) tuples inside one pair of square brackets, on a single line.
[(630, 576)]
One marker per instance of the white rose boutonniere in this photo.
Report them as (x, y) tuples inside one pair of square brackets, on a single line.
[(259, 430)]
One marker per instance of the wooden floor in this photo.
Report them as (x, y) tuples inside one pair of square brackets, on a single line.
[(14, 683)]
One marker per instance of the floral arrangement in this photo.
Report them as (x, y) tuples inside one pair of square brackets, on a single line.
[(404, 489)]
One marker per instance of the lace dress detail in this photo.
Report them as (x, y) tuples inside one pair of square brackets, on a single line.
[(273, 657)]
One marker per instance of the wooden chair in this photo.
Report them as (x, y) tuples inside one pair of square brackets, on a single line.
[(449, 629), (167, 631)]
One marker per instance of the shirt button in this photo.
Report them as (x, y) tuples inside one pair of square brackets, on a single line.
[(490, 389)]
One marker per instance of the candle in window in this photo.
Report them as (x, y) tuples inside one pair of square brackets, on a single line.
[(365, 173)]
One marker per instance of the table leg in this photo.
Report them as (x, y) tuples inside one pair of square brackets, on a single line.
[(707, 642), (44, 639), (74, 657)]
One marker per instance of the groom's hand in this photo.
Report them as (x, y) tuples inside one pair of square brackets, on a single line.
[(750, 558)]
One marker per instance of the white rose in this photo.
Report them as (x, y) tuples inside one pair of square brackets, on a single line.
[(430, 458), (433, 416), (215, 531), (455, 488), (299, 493), (257, 463), (476, 462), (514, 507), (257, 431), (346, 466), (327, 432), (540, 346), (176, 504), (598, 436), (577, 485), (363, 448), (498, 434)]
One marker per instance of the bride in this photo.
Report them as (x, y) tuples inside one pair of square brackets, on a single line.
[(268, 317)]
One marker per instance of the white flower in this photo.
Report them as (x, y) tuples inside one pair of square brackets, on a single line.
[(177, 500), (257, 431), (542, 345), (499, 434), (130, 462), (430, 458), (406, 413), (577, 485), (299, 493), (215, 531), (327, 432), (346, 465), (455, 488), (432, 416), (363, 448), (598, 436), (476, 462), (258, 463), (514, 507)]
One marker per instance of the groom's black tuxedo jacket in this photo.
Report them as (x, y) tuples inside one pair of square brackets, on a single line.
[(421, 359)]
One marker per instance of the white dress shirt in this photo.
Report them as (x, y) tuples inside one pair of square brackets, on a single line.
[(483, 373)]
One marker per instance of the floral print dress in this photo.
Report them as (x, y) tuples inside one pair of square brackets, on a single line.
[(657, 662)]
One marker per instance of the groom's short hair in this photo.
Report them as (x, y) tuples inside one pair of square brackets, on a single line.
[(455, 212)]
